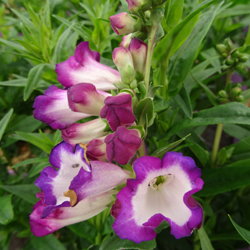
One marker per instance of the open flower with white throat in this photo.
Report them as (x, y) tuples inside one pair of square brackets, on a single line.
[(161, 191)]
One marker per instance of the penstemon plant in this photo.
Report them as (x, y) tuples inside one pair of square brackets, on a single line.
[(135, 143)]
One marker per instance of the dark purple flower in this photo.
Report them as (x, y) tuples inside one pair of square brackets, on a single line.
[(118, 110), (122, 145)]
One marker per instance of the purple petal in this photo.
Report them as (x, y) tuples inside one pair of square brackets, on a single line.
[(52, 108)]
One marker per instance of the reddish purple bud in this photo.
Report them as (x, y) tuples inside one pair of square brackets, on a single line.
[(122, 145), (96, 150), (134, 5), (116, 208), (118, 111), (124, 23)]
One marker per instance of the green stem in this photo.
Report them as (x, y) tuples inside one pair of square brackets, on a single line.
[(219, 128), (229, 76), (150, 50), (163, 77), (216, 143), (142, 149)]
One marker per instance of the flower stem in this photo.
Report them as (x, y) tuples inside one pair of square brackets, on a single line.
[(150, 50), (219, 127), (163, 77), (216, 143)]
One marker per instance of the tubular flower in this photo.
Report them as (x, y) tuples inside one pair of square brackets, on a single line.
[(84, 132), (77, 191), (124, 23), (96, 150), (161, 191), (118, 110), (84, 67), (52, 108), (84, 97), (122, 145)]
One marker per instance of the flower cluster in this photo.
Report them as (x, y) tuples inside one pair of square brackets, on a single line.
[(87, 172)]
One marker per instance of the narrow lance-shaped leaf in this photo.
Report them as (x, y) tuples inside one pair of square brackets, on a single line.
[(182, 61), (236, 113), (6, 209), (205, 241), (4, 122), (175, 38), (245, 234), (34, 76)]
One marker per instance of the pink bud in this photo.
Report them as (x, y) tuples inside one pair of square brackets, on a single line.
[(124, 23)]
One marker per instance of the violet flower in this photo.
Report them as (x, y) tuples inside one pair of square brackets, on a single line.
[(122, 145), (118, 110), (73, 190), (124, 23), (134, 5), (161, 191), (52, 108), (84, 67)]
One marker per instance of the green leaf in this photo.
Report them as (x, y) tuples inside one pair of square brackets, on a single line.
[(159, 152), (205, 241), (4, 121), (183, 101), (37, 168), (14, 46), (236, 113), (14, 83), (34, 76), (247, 42), (225, 179), (145, 110), (174, 13), (49, 242), (31, 161), (238, 10), (25, 191), (175, 38), (60, 46), (182, 61), (6, 209), (212, 53), (245, 234), (115, 243), (211, 96), (35, 139)]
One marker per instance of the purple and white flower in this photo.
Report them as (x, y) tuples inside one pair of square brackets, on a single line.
[(84, 97), (52, 108), (118, 111), (74, 190), (84, 67), (84, 132), (124, 23), (161, 191), (122, 145)]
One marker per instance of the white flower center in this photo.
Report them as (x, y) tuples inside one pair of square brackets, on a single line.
[(158, 181)]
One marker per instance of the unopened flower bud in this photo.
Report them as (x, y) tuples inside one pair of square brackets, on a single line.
[(243, 57), (124, 62), (229, 61), (241, 67), (223, 94), (138, 50), (236, 92), (223, 100), (224, 55), (229, 44), (221, 48), (124, 23), (240, 98), (135, 5)]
